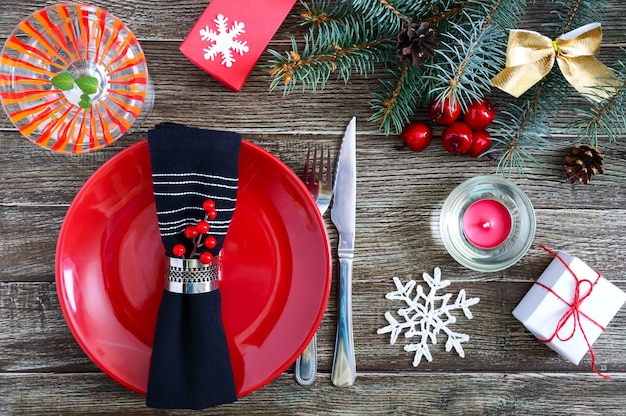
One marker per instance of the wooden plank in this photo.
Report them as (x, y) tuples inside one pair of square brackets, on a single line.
[(28, 243), (409, 180), (408, 245), (175, 19), (423, 393), (407, 232), (35, 337)]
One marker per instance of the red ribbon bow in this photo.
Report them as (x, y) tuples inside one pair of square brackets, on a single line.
[(574, 311)]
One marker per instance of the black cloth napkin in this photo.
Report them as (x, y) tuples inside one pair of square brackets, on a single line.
[(190, 366)]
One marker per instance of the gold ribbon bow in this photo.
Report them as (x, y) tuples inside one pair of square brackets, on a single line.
[(530, 56)]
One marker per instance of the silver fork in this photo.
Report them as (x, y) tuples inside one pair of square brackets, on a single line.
[(318, 180)]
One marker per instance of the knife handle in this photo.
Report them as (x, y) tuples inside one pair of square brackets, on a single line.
[(344, 364)]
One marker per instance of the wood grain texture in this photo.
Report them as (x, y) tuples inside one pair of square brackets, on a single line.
[(35, 336), (404, 394), (506, 371)]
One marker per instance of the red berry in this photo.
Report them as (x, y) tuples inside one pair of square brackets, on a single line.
[(191, 232), (210, 242), (211, 214), (208, 205), (206, 257), (457, 137), (479, 114), (417, 136), (202, 227), (444, 111), (178, 250), (481, 141)]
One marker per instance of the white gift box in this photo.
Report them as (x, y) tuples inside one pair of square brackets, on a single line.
[(542, 311)]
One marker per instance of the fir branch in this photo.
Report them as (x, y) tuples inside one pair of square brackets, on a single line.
[(333, 23), (379, 14), (471, 54), (386, 107), (322, 12), (319, 12), (571, 14), (547, 96), (469, 60), (393, 14), (605, 117), (516, 149), (479, 55), (394, 107), (318, 60), (353, 37), (506, 14)]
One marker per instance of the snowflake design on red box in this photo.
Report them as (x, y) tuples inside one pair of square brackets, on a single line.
[(224, 40)]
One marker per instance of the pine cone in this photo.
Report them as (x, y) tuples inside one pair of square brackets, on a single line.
[(416, 40), (581, 162)]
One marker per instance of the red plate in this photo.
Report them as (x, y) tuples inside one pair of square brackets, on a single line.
[(276, 263)]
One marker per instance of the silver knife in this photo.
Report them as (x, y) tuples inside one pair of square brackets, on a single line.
[(343, 215)]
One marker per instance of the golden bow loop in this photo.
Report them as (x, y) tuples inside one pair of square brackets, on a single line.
[(530, 56)]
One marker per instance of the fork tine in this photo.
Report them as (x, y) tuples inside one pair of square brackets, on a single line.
[(320, 168), (329, 171), (311, 178), (305, 174)]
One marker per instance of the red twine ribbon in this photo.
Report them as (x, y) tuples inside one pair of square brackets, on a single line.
[(574, 311)]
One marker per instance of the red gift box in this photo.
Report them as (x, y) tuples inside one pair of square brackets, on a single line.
[(231, 35)]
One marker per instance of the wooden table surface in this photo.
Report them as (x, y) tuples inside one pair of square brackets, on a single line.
[(505, 370)]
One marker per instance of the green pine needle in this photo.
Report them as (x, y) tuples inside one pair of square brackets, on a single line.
[(473, 55), (605, 117), (527, 131), (349, 38)]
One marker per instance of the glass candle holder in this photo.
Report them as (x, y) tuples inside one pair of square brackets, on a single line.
[(487, 223), (106, 89)]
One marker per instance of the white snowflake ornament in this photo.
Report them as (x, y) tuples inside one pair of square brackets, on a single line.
[(426, 315), (224, 40)]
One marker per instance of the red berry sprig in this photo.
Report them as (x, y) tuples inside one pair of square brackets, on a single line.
[(467, 135), (198, 234)]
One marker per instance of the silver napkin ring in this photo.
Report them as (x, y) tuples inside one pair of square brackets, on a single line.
[(191, 276)]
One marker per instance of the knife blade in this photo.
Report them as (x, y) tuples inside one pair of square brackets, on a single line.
[(343, 216)]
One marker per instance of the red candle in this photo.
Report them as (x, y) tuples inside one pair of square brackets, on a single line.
[(487, 223)]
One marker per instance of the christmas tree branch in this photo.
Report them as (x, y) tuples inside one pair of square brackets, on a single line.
[(451, 92), (575, 13), (395, 11), (549, 94), (315, 68), (465, 61), (468, 62), (572, 14), (607, 116), (385, 107), (348, 37), (315, 19), (512, 156), (390, 104)]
